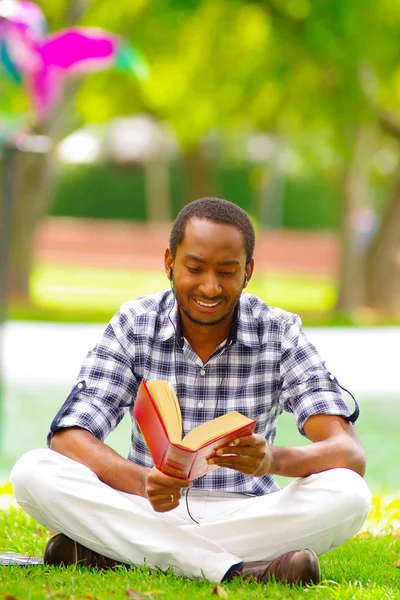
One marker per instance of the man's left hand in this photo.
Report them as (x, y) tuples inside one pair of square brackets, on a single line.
[(250, 455)]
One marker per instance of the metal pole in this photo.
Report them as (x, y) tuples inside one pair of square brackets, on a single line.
[(5, 246)]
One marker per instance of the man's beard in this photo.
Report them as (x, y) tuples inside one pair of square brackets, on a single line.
[(206, 323)]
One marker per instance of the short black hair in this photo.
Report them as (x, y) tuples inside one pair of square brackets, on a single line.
[(218, 211)]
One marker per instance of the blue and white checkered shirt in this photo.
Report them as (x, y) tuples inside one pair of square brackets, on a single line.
[(266, 366)]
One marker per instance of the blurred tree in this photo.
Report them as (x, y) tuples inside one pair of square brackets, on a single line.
[(326, 52), (35, 173), (293, 69), (382, 261)]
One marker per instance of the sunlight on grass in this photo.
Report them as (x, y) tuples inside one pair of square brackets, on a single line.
[(6, 489), (384, 515), (295, 292), (72, 288)]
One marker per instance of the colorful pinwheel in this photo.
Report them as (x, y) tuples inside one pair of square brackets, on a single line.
[(42, 62)]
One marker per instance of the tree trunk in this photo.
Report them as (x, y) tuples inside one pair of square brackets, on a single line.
[(351, 275), (200, 182), (354, 196), (383, 261), (34, 177), (157, 177)]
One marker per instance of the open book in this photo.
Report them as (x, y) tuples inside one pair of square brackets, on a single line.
[(158, 415)]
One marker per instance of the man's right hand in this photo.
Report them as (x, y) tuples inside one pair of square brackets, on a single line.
[(164, 491)]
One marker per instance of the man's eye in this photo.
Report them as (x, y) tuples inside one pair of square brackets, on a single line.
[(227, 272), (193, 269)]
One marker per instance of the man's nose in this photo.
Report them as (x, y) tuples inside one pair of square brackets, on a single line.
[(210, 285)]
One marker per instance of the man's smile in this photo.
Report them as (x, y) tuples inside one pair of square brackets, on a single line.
[(204, 304)]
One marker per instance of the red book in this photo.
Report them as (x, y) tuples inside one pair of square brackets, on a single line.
[(158, 415)]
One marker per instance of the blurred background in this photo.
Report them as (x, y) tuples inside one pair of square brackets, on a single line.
[(113, 118)]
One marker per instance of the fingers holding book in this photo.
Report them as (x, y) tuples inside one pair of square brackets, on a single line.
[(250, 455), (164, 491)]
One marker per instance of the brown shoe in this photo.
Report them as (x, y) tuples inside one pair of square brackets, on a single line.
[(61, 550), (297, 566)]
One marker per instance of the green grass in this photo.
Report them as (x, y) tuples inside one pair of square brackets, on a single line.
[(84, 289), (361, 568), (377, 428)]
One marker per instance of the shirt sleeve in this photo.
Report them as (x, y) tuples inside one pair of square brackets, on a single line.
[(105, 388), (307, 387)]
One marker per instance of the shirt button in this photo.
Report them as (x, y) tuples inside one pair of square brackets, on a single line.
[(202, 372), (200, 405), (80, 386), (331, 376)]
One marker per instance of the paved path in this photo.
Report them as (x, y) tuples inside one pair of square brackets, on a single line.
[(45, 355)]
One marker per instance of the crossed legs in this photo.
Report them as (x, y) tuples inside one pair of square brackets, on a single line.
[(318, 512)]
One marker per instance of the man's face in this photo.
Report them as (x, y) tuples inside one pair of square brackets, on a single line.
[(209, 271)]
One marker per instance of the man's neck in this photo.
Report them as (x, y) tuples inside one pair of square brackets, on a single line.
[(204, 339)]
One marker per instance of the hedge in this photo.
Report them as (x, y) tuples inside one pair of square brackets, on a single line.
[(110, 192)]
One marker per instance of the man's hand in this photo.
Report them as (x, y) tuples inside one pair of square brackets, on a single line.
[(164, 491), (250, 455)]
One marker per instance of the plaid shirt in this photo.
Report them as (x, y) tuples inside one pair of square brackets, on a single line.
[(266, 366)]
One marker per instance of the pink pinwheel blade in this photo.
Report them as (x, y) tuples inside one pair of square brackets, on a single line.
[(66, 52), (84, 50), (43, 63)]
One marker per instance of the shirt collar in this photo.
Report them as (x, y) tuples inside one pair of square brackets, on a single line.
[(247, 325), (244, 327)]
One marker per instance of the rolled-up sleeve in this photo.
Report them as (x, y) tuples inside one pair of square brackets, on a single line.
[(105, 387), (306, 385)]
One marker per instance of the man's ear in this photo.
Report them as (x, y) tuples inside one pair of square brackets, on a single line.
[(168, 263), (248, 272)]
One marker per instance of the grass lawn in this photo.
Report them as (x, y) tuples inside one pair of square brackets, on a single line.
[(84, 290), (364, 567), (88, 294)]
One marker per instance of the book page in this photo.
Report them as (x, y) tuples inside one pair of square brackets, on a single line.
[(214, 429), (168, 406)]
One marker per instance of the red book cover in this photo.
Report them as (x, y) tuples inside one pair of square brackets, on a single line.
[(175, 459)]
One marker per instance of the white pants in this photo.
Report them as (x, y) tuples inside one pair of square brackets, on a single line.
[(319, 512)]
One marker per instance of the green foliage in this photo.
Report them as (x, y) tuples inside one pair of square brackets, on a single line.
[(292, 68), (101, 191), (289, 67), (312, 75), (310, 204)]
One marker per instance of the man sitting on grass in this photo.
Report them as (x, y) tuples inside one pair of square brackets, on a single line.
[(222, 350)]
